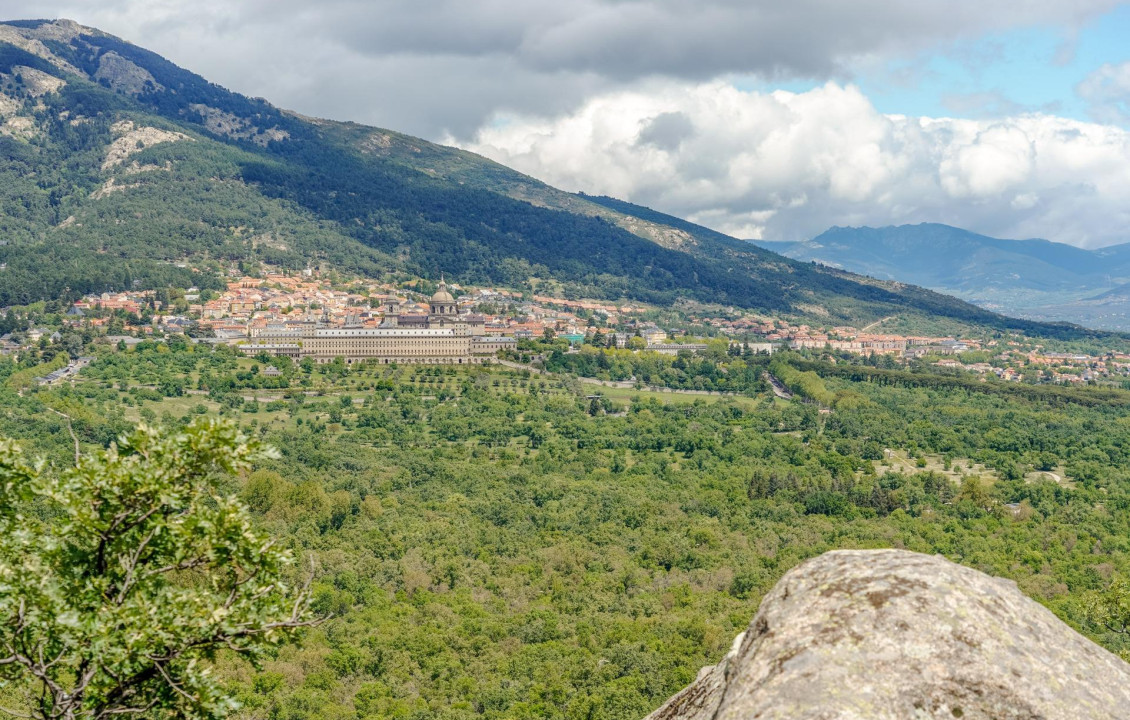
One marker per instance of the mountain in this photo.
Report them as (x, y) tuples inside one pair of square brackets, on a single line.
[(1024, 276), (942, 256), (1109, 309), (120, 169)]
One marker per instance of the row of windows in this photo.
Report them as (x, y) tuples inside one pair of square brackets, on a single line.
[(418, 361), (386, 343), (425, 332), (353, 350)]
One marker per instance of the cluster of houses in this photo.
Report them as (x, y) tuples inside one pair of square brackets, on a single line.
[(252, 307), (838, 339), (851, 341), (1006, 372), (261, 311), (1077, 368)]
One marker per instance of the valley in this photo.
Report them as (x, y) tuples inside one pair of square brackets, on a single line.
[(303, 419)]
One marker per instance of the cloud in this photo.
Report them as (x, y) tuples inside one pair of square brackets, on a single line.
[(667, 131), (1107, 93), (634, 98), (783, 165), (431, 67), (991, 103)]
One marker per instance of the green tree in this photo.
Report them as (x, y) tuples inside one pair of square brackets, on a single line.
[(73, 344), (144, 571), (1108, 612)]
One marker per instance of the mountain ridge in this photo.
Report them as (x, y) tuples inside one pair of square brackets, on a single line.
[(208, 178), (1021, 276)]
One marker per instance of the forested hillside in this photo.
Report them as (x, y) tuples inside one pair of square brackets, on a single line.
[(121, 169)]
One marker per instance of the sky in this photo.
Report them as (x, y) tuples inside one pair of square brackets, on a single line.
[(763, 119)]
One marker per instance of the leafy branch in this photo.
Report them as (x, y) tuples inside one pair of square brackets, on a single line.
[(144, 571)]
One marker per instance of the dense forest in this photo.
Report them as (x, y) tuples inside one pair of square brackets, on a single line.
[(492, 543)]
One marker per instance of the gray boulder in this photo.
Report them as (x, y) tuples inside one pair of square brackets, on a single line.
[(878, 634)]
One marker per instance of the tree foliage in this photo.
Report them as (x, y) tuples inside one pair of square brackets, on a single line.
[(492, 544), (122, 577)]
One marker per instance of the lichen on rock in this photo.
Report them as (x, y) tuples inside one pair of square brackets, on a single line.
[(886, 634)]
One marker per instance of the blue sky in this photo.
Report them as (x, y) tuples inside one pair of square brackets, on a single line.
[(1015, 150), (1033, 68), (1025, 69)]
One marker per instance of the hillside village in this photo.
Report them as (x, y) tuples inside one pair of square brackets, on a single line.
[(252, 311)]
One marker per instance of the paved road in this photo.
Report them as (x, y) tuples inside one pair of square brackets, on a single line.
[(779, 388)]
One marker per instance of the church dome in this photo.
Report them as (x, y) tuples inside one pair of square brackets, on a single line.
[(442, 295)]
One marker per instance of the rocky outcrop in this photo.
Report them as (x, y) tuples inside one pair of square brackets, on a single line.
[(878, 634), (9, 105), (28, 39), (132, 139), (19, 127), (124, 76), (37, 82), (225, 123), (110, 187)]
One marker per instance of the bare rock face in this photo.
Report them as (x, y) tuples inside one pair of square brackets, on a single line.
[(132, 139), (233, 126), (125, 76), (878, 634)]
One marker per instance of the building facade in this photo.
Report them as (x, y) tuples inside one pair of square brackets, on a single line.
[(442, 337)]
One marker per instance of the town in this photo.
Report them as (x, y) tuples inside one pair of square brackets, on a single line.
[(322, 316)]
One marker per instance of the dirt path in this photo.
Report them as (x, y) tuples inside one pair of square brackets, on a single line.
[(877, 323)]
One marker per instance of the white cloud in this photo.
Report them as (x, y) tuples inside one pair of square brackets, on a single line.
[(624, 97), (432, 66), (788, 165), (1107, 92), (1000, 157)]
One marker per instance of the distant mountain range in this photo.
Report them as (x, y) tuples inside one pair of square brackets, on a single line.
[(1033, 278), (119, 169)]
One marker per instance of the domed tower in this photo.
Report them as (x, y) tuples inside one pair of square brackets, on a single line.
[(443, 303)]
